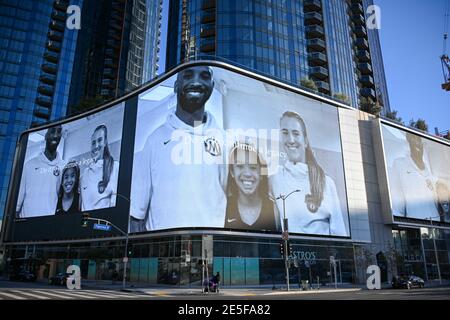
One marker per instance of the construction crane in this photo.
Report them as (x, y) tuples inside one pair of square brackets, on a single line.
[(444, 58)]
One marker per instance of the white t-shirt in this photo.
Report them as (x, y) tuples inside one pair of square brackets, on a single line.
[(171, 192), (328, 220), (38, 192), (413, 190), (91, 199)]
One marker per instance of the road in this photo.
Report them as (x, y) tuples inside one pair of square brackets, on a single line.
[(42, 291)]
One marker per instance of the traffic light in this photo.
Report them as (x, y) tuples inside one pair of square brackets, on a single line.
[(282, 249), (85, 219)]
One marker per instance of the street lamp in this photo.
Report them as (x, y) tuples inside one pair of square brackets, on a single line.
[(285, 234)]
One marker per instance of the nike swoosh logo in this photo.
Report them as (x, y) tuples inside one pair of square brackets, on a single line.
[(166, 142), (231, 220)]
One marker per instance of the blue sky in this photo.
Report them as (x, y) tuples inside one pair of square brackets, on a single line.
[(412, 42)]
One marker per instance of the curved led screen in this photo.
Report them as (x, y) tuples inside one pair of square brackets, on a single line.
[(418, 175), (216, 149), (204, 148)]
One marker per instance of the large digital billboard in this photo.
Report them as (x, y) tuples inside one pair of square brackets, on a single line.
[(72, 167), (216, 149), (205, 148), (418, 175)]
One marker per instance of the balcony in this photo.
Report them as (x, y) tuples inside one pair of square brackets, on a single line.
[(357, 8), (55, 35), (109, 73), (362, 44), (110, 63), (46, 90), (47, 79), (312, 18), (54, 46), (360, 31), (208, 17), (358, 19), (50, 68), (113, 44), (312, 5), (108, 83), (57, 25), (317, 59), (118, 7), (51, 57), (365, 68), (117, 16), (316, 45), (207, 45), (368, 93), (314, 32), (111, 53), (319, 73), (41, 112), (208, 4), (367, 81), (363, 56), (106, 93), (58, 15), (44, 101), (113, 34), (113, 24), (323, 87), (61, 5), (207, 32)]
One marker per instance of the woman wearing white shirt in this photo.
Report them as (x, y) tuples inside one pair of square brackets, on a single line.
[(316, 208), (99, 179)]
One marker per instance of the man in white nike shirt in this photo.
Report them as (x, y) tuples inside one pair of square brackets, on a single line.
[(413, 185), (38, 192), (170, 187)]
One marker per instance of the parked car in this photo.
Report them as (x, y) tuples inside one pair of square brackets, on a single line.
[(59, 279), (407, 282), (23, 275)]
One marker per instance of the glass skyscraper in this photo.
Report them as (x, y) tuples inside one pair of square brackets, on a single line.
[(46, 68), (326, 41), (36, 62)]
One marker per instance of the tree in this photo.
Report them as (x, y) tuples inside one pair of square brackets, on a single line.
[(419, 124), (447, 136), (342, 97), (370, 106), (393, 116), (87, 103), (309, 84)]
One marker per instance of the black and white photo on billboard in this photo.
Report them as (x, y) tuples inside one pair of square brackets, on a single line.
[(171, 188), (418, 175), (72, 167), (244, 162)]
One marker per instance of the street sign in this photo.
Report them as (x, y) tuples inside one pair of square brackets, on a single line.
[(125, 259), (103, 227)]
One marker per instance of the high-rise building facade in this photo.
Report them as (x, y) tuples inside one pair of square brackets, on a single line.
[(118, 48), (326, 41), (47, 68), (36, 64)]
